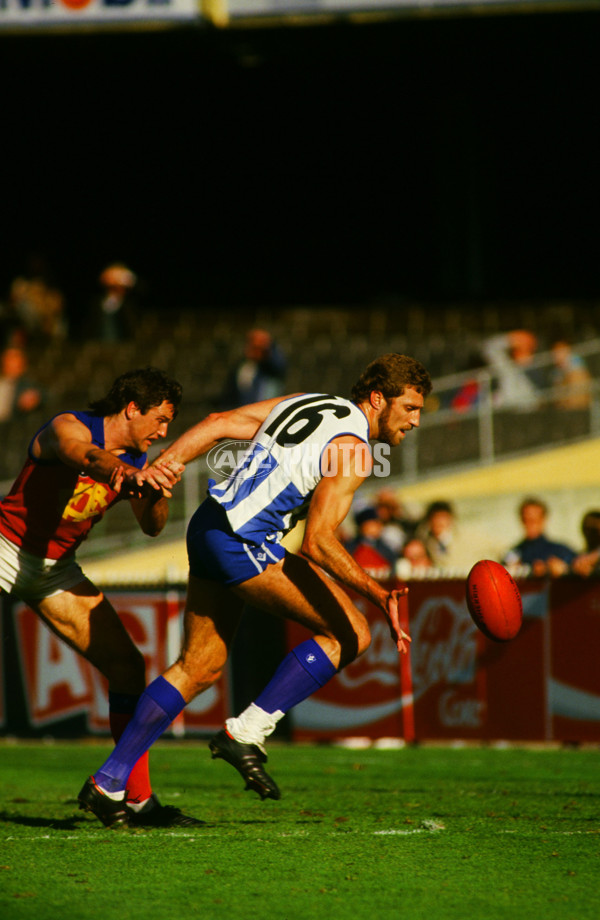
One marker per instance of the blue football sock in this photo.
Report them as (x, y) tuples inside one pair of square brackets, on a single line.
[(159, 704), (303, 671)]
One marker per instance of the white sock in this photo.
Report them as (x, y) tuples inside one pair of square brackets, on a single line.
[(253, 725), (115, 796), (140, 806)]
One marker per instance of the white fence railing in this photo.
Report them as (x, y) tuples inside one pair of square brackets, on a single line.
[(458, 432)]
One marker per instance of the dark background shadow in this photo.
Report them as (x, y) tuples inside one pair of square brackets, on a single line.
[(436, 158)]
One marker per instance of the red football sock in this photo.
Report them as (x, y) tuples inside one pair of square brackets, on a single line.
[(139, 787)]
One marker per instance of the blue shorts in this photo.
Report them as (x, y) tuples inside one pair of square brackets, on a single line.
[(217, 553)]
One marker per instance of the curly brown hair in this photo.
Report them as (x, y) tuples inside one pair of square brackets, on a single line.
[(146, 386), (390, 375)]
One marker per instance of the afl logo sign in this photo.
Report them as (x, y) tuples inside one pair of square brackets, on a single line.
[(229, 458)]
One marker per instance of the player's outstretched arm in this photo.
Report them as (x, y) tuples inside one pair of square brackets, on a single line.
[(395, 599), (67, 439), (348, 464), (241, 424)]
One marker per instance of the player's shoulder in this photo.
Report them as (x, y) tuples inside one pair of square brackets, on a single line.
[(311, 403), (71, 419), (328, 406), (315, 417), (62, 426), (69, 415)]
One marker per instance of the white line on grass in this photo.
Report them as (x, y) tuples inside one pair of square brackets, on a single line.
[(396, 833), (545, 833), (422, 829), (427, 827)]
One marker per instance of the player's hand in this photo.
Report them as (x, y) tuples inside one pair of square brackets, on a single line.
[(394, 599), (164, 476), (172, 468), (116, 478), (131, 484), (176, 467), (157, 480)]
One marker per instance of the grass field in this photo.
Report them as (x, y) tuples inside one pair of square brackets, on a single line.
[(426, 832)]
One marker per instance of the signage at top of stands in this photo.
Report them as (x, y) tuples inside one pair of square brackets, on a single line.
[(251, 8), (18, 13), (49, 12)]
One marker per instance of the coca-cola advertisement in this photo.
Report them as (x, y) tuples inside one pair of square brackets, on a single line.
[(454, 683), (574, 681)]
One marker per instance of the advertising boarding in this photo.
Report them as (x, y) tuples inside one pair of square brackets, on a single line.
[(544, 685), (41, 13), (58, 683), (456, 684)]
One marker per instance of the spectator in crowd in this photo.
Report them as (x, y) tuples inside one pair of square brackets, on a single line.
[(468, 394), (260, 374), (111, 317), (414, 559), (588, 562), (368, 548), (466, 397), (35, 312), (437, 531), (397, 526), (511, 356), (54, 323), (449, 546), (536, 550), (19, 394), (571, 380)]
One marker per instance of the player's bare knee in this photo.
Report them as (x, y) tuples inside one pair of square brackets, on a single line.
[(198, 675)]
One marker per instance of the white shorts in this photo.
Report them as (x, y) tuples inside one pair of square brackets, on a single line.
[(32, 578)]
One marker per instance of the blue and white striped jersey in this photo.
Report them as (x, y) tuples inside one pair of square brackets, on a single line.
[(271, 487)]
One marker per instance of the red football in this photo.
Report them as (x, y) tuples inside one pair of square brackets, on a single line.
[(494, 601)]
